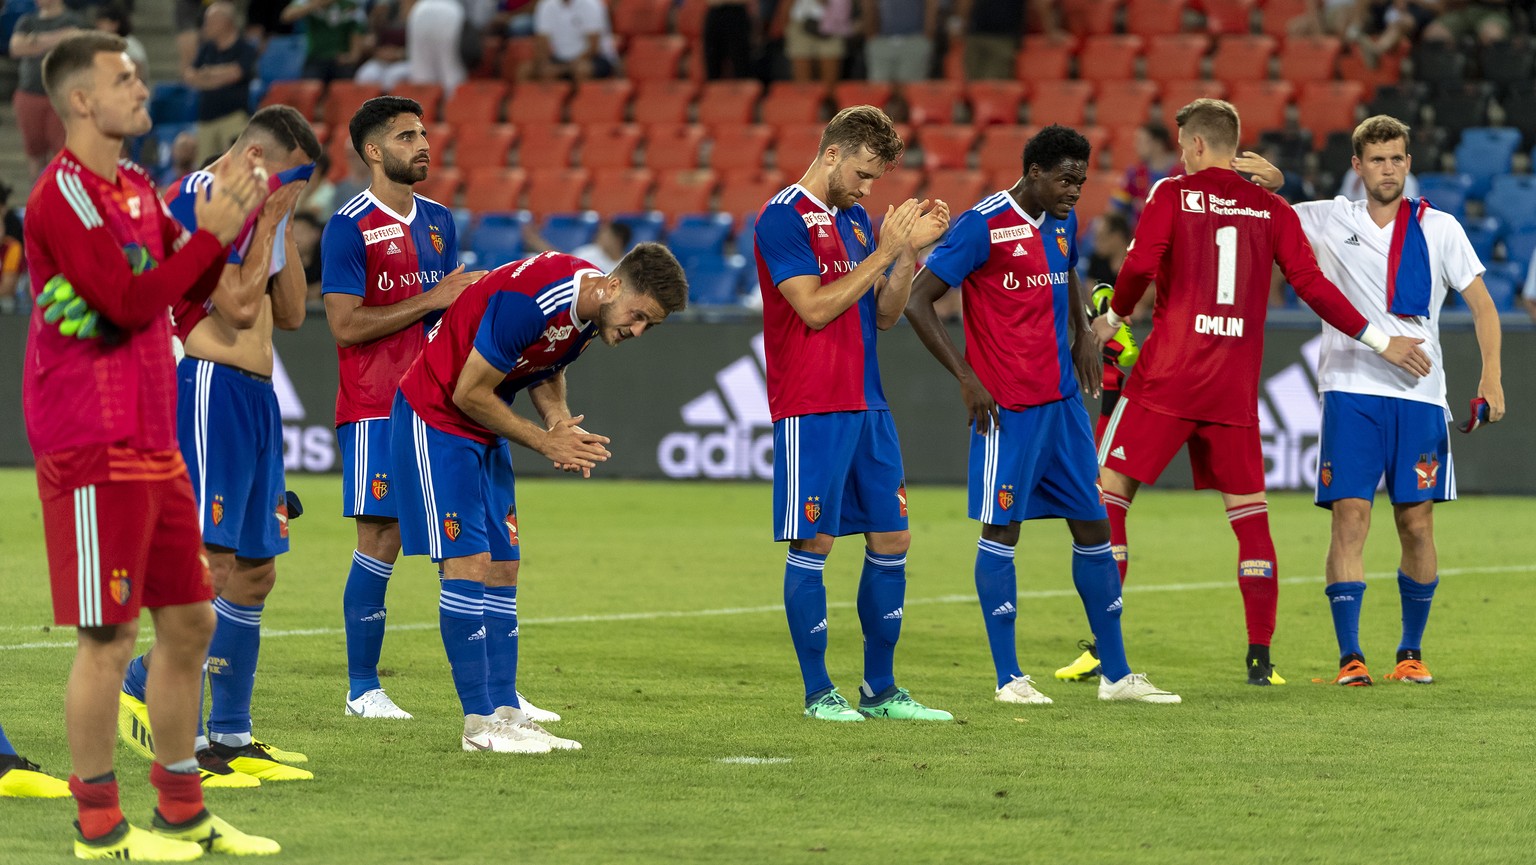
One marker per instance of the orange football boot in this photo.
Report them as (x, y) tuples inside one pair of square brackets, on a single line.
[(1411, 670), (1354, 674)]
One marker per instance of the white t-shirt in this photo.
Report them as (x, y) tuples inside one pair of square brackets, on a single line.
[(567, 24), (1352, 252)]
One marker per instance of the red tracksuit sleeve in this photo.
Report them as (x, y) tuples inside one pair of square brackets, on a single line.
[(95, 265), (1154, 231), (1299, 263)]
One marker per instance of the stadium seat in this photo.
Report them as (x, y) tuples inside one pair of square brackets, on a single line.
[(1242, 58), (1512, 200), (1485, 153), (1155, 17), (1508, 63), (1124, 102), (1503, 281), (745, 244), (645, 226), (343, 98), (1098, 139), (690, 18), (1460, 107), (498, 238), (303, 94), (1261, 105), (995, 102), (1177, 94), (1399, 100), (876, 93), (1439, 64), (609, 145), (655, 58), (931, 101), (429, 96), (715, 280), (663, 101), (795, 146), (1519, 103), (1309, 58), (679, 192), (482, 145), (959, 187), (698, 235), (1095, 199), (1109, 57), (1002, 149), (793, 102), (620, 190), (1122, 147), (173, 103), (602, 101), (896, 186), (1228, 16), (739, 147), (548, 145), (640, 17), (557, 190), (1064, 102), (442, 184), (1483, 234), (1276, 17), (747, 192), (725, 102), (670, 146), (516, 54), (947, 146), (1089, 17), (1387, 69), (1328, 106), (1044, 59), (538, 103), (282, 59), (1447, 192), (489, 189), (475, 101), (1176, 57), (1520, 246), (570, 229)]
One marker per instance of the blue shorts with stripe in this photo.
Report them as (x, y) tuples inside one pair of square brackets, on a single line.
[(1036, 463), (366, 469), (1367, 436), (456, 496), (231, 434), (837, 474)]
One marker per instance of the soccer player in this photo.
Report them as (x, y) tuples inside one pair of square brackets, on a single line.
[(231, 437), (118, 514), (515, 330), (390, 259), (1395, 259), (1028, 356), (1210, 239), (21, 778), (827, 286)]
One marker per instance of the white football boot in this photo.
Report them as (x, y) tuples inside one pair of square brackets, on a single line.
[(375, 704), (534, 713), (1135, 688), (488, 733), (1022, 690)]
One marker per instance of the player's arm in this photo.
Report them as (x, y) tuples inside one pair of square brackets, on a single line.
[(1154, 234), (1087, 359), (891, 294), (1260, 170), (289, 288), (549, 399), (243, 286), (27, 42), (344, 286), (1490, 337), (819, 305), (966, 249)]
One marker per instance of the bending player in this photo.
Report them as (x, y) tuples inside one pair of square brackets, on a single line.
[(515, 330), (1027, 358), (118, 514), (1210, 239)]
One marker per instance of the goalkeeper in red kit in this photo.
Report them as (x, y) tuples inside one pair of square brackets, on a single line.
[(1209, 239)]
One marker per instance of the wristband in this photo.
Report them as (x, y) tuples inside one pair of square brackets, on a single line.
[(1375, 337), (1114, 319)]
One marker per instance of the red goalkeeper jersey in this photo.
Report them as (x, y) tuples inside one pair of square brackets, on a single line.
[(1209, 240)]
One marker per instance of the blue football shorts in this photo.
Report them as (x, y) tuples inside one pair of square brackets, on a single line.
[(1037, 463), (837, 474), (1367, 436)]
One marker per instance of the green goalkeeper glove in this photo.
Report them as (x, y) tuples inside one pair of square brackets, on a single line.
[(1121, 350), (68, 310)]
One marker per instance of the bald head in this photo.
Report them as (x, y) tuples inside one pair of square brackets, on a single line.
[(221, 21)]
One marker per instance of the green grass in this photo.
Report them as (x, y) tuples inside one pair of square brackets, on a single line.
[(1303, 773)]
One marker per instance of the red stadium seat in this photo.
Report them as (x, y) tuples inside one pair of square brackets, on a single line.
[(1122, 102), (740, 147), (1261, 106), (620, 190), (340, 151), (343, 98), (1098, 139), (477, 101), (1002, 149), (640, 17), (1177, 94), (953, 65), (556, 190), (515, 54), (876, 93), (995, 102), (1277, 15), (1088, 17), (793, 102), (747, 192), (931, 101), (651, 58), (1097, 192), (1109, 57), (1122, 148), (679, 192), (959, 187), (1177, 57), (947, 146), (1387, 70), (548, 146), (1155, 17), (797, 145), (1044, 59), (492, 189), (601, 101), (303, 95), (1242, 58), (429, 95), (1328, 106), (673, 146), (729, 102), (690, 19), (478, 145), (1310, 58), (662, 101), (609, 145), (538, 102), (1228, 16), (894, 187), (1064, 102), (442, 185)]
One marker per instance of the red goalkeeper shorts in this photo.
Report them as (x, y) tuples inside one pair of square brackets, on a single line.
[(1139, 443)]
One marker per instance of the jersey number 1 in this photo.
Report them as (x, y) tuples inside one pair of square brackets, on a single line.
[(1226, 264)]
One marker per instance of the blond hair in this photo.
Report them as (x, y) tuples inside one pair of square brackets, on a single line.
[(1215, 120), (863, 126), (1379, 129)]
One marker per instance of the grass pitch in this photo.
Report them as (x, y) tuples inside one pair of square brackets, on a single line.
[(652, 620)]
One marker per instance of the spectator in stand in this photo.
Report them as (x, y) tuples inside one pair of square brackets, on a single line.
[(319, 196), (1341, 18), (434, 30), (992, 30), (307, 229), (113, 18), (222, 71), (386, 66), (728, 39), (813, 41), (1156, 158), (607, 247), (334, 32), (1111, 242), (42, 133), (573, 40), (898, 38), (264, 18), (356, 180), (11, 252), (1393, 22), (1487, 21), (188, 20), (183, 161)]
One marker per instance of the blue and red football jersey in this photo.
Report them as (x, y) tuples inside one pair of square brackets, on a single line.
[(1012, 271), (376, 254), (522, 319), (815, 371)]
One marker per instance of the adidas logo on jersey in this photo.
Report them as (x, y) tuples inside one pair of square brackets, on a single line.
[(893, 614), (820, 626), (394, 248), (1006, 609), (1354, 240), (1018, 250), (1118, 453), (821, 232)]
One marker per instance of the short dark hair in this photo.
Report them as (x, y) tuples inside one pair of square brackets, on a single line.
[(1054, 145), (622, 231), (1159, 135), (288, 128), (74, 55), (654, 271), (115, 13), (375, 115), (863, 126), (1115, 221), (1215, 120)]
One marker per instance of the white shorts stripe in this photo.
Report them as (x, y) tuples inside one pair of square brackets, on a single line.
[(202, 388), (1109, 431), (87, 557), (424, 471)]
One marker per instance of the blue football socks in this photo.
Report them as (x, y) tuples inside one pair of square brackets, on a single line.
[(136, 680), (232, 660), (1097, 579), (1344, 599), (6, 750), (461, 617), (805, 604), (997, 588), (882, 594), (501, 644), (362, 606), (1417, 598)]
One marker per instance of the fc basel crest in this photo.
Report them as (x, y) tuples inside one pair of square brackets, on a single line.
[(281, 512), (859, 233), (121, 586), (1428, 471), (451, 526), (437, 238), (813, 508), (218, 509), (1061, 240), (380, 486), (512, 524), (1326, 475), (901, 497), (1005, 496)]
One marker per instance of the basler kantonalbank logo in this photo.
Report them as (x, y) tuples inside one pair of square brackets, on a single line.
[(730, 431)]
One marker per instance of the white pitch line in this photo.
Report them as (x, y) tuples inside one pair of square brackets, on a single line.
[(1043, 594)]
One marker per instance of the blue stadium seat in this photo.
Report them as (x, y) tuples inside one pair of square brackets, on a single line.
[(1484, 234), (699, 235), (1447, 192), (1512, 200), (283, 59), (566, 231), (1519, 246), (744, 243), (715, 280), (1485, 153), (1504, 284), (498, 238), (645, 227), (173, 103)]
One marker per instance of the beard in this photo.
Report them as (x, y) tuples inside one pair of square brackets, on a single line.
[(837, 194), (400, 171), (1382, 195)]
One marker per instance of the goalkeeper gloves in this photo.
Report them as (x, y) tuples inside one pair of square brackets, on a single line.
[(68, 310), (1122, 349)]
